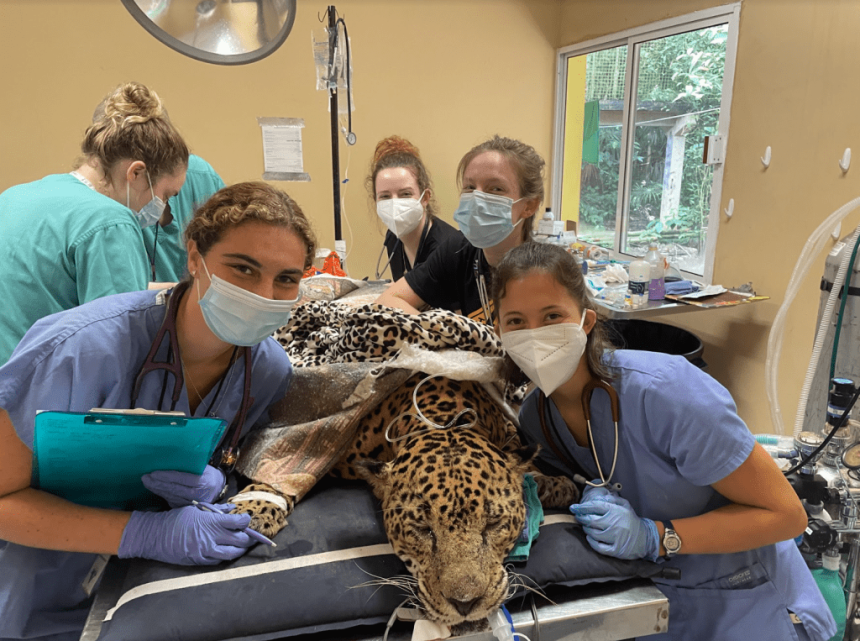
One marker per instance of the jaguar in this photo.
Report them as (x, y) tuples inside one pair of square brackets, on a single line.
[(447, 465)]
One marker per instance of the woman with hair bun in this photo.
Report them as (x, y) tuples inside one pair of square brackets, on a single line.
[(402, 192), (71, 238)]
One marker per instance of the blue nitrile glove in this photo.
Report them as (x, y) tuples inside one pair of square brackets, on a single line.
[(613, 528), (181, 488), (591, 493), (186, 536)]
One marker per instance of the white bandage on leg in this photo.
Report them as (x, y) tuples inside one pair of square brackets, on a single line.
[(268, 497)]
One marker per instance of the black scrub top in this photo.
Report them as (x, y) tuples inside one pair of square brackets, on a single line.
[(439, 232), (448, 278)]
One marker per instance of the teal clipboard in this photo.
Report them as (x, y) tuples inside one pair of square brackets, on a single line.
[(97, 458)]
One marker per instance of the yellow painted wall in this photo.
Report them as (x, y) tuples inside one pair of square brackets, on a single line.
[(448, 73), (793, 91), (445, 74), (574, 115)]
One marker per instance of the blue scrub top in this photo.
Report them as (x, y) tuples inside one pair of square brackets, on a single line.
[(679, 432), (201, 181), (62, 244), (76, 360)]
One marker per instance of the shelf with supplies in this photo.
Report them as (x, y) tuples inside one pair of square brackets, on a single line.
[(678, 305)]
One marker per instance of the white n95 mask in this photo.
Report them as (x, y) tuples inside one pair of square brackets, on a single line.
[(485, 219), (548, 355), (151, 212), (240, 317), (400, 215)]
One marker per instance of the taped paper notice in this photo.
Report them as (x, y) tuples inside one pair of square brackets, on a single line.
[(282, 148)]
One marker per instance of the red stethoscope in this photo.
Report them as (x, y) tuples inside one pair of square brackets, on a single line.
[(224, 457)]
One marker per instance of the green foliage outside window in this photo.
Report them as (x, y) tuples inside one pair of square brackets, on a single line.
[(680, 74)]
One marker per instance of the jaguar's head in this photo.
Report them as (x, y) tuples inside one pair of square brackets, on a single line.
[(453, 509)]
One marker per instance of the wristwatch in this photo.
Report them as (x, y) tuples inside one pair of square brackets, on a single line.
[(671, 541)]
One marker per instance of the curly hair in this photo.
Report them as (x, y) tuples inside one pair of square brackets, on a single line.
[(395, 151), (558, 263), (244, 202), (131, 123), (526, 162)]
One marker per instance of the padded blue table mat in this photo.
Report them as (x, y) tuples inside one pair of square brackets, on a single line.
[(272, 591)]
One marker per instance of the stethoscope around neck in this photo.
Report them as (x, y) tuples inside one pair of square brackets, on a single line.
[(399, 243), (555, 439), (483, 294), (224, 457)]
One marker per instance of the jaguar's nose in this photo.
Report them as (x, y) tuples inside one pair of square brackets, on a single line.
[(464, 607)]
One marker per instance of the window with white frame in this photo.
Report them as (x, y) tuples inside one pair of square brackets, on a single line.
[(634, 110)]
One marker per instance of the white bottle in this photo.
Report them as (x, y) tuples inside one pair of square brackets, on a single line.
[(657, 286), (639, 274), (546, 225)]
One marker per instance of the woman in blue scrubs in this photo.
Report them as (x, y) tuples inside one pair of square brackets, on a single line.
[(71, 238), (679, 479), (247, 249)]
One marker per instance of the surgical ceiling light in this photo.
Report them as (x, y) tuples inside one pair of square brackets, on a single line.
[(223, 32), (236, 32)]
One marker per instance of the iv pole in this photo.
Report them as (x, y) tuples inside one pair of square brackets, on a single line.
[(332, 107), (333, 34)]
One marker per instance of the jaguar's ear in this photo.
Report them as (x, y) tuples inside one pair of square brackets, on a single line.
[(521, 458), (377, 474)]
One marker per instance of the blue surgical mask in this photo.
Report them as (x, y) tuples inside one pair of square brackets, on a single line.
[(240, 317), (151, 212), (485, 219)]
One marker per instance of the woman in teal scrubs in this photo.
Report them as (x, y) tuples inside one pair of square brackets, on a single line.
[(164, 243), (71, 238)]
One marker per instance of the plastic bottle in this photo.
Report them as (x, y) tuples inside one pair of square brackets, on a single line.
[(827, 578), (657, 286), (639, 274)]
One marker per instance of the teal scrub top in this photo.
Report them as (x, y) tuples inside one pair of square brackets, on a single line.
[(201, 182), (62, 244)]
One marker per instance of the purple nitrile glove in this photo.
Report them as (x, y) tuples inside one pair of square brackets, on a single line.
[(181, 488), (186, 536), (612, 527)]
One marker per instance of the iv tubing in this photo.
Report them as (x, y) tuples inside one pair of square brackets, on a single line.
[(839, 320), (810, 250), (822, 332)]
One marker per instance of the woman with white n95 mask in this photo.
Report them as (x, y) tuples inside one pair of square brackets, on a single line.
[(402, 194), (671, 472), (501, 184), (202, 348)]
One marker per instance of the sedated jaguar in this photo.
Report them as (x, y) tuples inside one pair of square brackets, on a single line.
[(452, 497)]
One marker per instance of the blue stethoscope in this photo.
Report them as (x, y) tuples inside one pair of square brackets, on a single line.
[(224, 457), (554, 442)]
